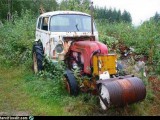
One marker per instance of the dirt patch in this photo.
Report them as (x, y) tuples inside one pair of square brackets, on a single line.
[(155, 82), (3, 113), (13, 113)]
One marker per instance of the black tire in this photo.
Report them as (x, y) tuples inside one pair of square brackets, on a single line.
[(71, 83), (38, 56)]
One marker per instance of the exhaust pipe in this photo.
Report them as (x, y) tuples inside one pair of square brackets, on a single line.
[(92, 8)]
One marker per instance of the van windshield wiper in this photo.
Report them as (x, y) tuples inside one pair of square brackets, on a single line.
[(77, 27)]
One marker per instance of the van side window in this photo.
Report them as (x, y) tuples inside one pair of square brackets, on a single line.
[(39, 23), (45, 24)]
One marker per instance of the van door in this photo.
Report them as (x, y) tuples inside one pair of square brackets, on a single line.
[(43, 34)]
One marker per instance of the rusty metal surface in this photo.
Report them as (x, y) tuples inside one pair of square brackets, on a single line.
[(140, 89), (125, 91)]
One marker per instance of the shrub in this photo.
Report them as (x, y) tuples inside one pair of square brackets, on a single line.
[(17, 38)]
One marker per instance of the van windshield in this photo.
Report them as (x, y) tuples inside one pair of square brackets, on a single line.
[(71, 23)]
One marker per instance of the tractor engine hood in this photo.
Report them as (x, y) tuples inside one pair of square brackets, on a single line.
[(87, 50)]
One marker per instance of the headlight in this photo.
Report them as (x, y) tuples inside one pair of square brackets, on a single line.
[(59, 48)]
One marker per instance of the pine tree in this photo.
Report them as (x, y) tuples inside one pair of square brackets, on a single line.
[(156, 17), (126, 17)]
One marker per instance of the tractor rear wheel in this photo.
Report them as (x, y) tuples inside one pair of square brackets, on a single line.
[(38, 56), (71, 83)]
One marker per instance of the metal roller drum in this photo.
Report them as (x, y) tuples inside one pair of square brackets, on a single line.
[(124, 91)]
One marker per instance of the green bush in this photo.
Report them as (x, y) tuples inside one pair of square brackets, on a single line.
[(17, 38), (53, 75)]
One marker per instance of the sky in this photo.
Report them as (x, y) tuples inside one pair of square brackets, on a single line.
[(140, 10)]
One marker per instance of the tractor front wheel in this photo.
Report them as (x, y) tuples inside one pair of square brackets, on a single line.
[(38, 55), (71, 83)]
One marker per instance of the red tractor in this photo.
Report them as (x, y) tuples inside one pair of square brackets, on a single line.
[(98, 74)]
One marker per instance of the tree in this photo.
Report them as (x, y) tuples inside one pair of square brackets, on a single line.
[(156, 17), (19, 5), (119, 16), (126, 17), (75, 5), (112, 15)]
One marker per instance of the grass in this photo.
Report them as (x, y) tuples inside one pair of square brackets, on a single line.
[(22, 91), (15, 97)]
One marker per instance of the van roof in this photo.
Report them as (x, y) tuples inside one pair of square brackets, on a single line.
[(63, 12)]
